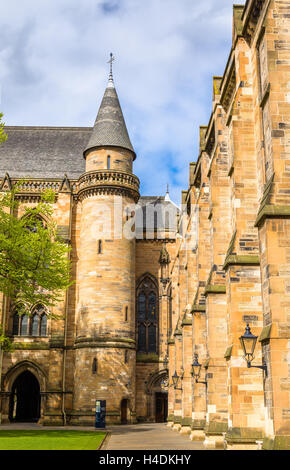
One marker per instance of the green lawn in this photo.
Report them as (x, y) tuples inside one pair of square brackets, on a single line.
[(50, 440)]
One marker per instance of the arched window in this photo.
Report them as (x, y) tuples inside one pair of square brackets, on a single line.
[(147, 316), (20, 321), (32, 225), (24, 325), (15, 328), (39, 321), (43, 325), (35, 320)]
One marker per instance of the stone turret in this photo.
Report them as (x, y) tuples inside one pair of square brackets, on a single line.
[(106, 270)]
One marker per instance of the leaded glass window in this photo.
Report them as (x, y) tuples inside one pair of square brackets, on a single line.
[(147, 316)]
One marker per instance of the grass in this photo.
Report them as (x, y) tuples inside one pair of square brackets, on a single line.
[(50, 440)]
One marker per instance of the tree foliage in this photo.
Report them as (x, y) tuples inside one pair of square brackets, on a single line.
[(34, 261), (3, 136)]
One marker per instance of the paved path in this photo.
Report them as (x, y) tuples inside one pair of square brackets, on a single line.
[(148, 437), (131, 437)]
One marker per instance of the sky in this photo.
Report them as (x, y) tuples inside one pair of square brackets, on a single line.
[(54, 71)]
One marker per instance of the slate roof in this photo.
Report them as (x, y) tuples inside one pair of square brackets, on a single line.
[(44, 152), (110, 127)]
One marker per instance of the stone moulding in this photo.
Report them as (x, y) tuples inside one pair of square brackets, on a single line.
[(265, 96), (240, 260), (31, 346), (30, 189), (276, 443), (198, 308), (102, 342), (147, 358), (228, 353), (250, 17), (243, 436), (111, 181), (229, 86), (215, 289), (186, 422), (265, 333), (186, 322), (177, 333), (206, 364), (215, 428), (198, 424), (271, 211)]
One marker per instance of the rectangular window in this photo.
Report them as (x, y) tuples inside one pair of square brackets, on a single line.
[(108, 162), (126, 313)]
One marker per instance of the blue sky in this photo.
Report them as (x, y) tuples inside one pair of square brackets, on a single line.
[(53, 71)]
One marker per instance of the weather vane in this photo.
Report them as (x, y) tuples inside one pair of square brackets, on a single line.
[(112, 58)]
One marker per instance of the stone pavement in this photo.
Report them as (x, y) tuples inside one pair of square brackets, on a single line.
[(148, 437)]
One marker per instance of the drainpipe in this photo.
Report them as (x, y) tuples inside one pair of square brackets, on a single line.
[(65, 325)]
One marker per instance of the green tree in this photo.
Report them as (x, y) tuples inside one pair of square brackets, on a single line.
[(3, 136), (34, 262)]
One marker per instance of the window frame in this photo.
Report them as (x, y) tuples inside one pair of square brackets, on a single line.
[(147, 323)]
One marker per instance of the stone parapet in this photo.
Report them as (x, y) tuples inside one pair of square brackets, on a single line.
[(108, 182)]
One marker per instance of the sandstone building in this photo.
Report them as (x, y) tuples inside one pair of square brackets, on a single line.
[(181, 291)]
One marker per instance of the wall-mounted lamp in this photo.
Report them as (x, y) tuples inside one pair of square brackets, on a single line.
[(175, 380), (195, 371), (248, 342)]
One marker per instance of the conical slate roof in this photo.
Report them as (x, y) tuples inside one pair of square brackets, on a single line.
[(110, 128)]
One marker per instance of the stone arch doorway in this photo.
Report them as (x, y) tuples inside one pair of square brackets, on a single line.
[(157, 392), (25, 400), (161, 407), (124, 411)]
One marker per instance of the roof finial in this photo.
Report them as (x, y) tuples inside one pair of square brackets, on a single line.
[(111, 81), (167, 197)]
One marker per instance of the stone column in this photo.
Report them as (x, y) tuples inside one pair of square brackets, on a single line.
[(243, 279), (177, 391), (199, 399), (187, 378)]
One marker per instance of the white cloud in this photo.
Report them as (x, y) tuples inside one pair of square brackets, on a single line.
[(53, 71)]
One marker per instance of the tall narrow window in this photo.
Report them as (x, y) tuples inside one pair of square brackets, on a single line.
[(126, 313), (147, 316), (100, 247), (126, 357), (35, 321), (108, 162), (43, 325), (24, 325), (95, 366), (15, 328)]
